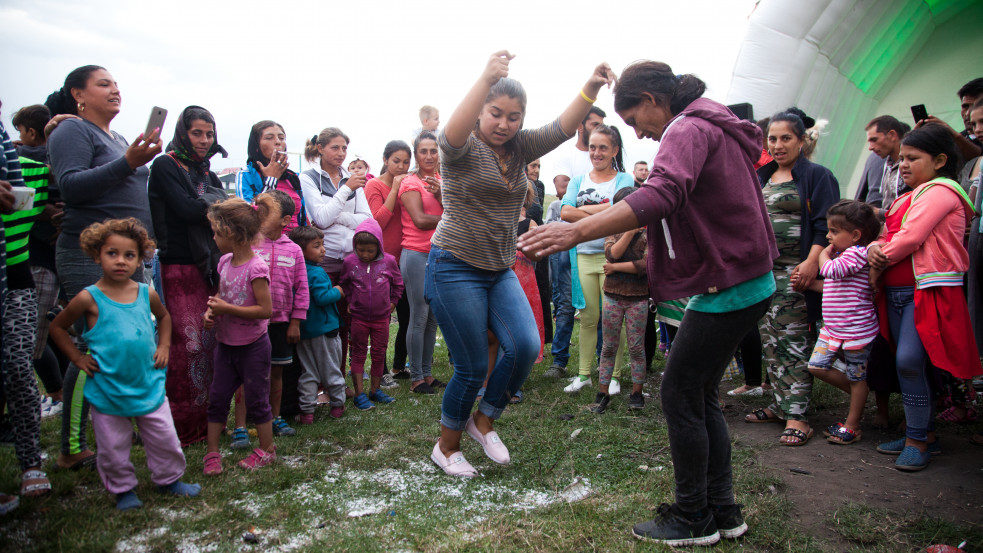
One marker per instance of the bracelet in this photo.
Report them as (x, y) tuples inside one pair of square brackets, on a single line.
[(586, 97)]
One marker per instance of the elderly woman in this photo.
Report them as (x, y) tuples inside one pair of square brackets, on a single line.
[(100, 176), (709, 237), (181, 188)]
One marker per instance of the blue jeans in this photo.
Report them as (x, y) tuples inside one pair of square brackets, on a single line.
[(468, 302), (562, 306), (911, 361)]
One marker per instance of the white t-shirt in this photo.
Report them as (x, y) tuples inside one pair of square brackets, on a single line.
[(570, 161)]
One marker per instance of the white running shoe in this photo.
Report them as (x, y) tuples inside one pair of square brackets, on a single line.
[(577, 383)]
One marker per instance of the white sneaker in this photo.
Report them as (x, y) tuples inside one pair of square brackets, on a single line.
[(51, 409), (388, 382), (614, 388), (576, 384)]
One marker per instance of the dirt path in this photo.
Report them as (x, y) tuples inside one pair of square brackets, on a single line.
[(951, 488)]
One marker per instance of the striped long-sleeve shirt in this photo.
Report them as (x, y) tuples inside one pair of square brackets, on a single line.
[(849, 317), (482, 198)]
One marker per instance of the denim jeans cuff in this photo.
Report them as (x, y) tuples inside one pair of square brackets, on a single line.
[(452, 424), (490, 410)]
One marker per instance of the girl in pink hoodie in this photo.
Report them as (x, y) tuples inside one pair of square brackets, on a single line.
[(373, 285)]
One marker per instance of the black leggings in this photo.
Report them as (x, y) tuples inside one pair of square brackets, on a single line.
[(750, 349)]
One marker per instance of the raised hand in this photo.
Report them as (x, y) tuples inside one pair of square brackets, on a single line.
[(497, 67)]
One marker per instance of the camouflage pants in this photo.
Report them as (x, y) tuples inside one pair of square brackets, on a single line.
[(786, 344)]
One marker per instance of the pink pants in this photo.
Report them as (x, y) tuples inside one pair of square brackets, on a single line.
[(114, 437), (361, 333)]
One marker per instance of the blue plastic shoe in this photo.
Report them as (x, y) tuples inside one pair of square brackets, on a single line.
[(181, 489), (379, 396), (911, 459), (281, 428), (128, 500), (895, 447), (362, 402), (240, 438)]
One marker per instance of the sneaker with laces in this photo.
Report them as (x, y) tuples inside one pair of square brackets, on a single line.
[(304, 418), (577, 383), (388, 382), (673, 527), (362, 402), (729, 520), (379, 396), (555, 371), (240, 438), (281, 428), (258, 458), (636, 400)]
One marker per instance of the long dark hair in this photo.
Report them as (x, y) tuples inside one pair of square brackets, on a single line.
[(934, 139), (61, 101), (656, 78), (513, 89), (391, 148)]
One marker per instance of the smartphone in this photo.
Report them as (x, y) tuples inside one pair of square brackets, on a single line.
[(919, 113), (156, 121)]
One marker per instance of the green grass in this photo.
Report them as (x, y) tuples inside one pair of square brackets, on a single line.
[(377, 464)]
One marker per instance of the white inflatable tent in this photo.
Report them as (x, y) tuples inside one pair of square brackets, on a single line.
[(850, 60)]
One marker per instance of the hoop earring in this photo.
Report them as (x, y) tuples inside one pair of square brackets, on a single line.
[(81, 107)]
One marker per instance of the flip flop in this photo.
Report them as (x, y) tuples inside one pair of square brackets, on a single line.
[(803, 437), (82, 463), (41, 486), (8, 503), (761, 416)]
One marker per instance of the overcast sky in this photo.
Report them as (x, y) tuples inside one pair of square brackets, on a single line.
[(365, 66)]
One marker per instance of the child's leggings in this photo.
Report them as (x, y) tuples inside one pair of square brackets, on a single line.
[(634, 313), (114, 437), (362, 332)]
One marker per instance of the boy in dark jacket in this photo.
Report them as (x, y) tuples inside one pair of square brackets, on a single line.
[(371, 280)]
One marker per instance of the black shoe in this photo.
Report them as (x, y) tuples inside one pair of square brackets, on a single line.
[(729, 520), (636, 401), (674, 528), (401, 375), (423, 388), (600, 403)]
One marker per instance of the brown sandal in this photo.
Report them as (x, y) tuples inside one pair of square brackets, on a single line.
[(802, 437), (761, 416)]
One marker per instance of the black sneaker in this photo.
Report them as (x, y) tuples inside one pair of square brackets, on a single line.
[(673, 528), (636, 401), (729, 520), (600, 403), (401, 375)]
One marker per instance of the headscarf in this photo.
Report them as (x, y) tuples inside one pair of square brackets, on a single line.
[(181, 147)]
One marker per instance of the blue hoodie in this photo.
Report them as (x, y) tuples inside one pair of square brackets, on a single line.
[(322, 315)]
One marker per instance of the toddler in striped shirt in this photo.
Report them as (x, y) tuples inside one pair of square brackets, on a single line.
[(849, 317)]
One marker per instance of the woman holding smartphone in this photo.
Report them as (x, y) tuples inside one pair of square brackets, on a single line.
[(100, 176)]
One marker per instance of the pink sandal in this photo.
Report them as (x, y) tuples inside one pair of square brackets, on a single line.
[(949, 415)]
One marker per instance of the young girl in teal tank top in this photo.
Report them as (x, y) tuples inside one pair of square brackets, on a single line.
[(125, 381)]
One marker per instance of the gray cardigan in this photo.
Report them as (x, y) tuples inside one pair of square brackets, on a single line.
[(95, 181)]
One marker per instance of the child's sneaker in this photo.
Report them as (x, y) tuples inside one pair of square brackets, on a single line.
[(379, 396), (388, 382), (362, 402), (336, 412), (213, 464), (258, 458), (636, 401), (304, 418), (240, 438), (281, 428), (181, 489)]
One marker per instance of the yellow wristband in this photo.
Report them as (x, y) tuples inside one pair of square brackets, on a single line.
[(586, 97)]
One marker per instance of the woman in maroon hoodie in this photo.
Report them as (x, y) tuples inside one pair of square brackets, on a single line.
[(709, 237)]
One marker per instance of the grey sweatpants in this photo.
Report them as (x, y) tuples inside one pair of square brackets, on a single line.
[(320, 362)]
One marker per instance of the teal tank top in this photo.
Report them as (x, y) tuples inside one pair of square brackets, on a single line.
[(123, 342)]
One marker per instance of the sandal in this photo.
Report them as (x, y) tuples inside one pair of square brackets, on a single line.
[(844, 436), (760, 416), (976, 439), (832, 429), (437, 384), (35, 483), (76, 461), (950, 415), (802, 437), (517, 398)]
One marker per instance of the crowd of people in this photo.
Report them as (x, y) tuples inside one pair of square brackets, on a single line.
[(141, 293)]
